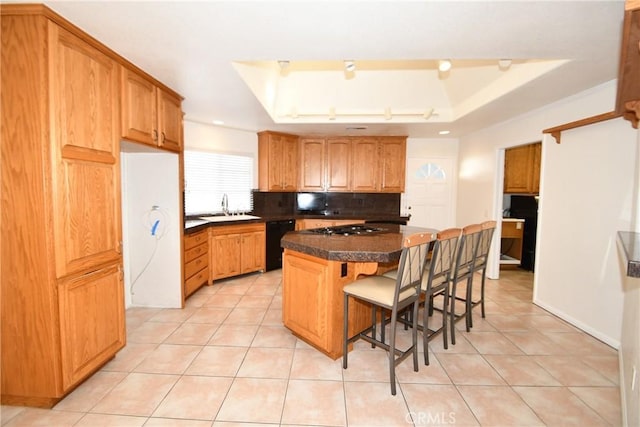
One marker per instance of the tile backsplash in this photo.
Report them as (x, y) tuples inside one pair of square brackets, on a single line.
[(335, 204)]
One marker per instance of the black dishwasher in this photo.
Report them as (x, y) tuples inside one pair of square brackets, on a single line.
[(275, 231)]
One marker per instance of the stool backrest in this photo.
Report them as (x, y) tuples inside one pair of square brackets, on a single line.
[(411, 265), (443, 257), (488, 227), (469, 243)]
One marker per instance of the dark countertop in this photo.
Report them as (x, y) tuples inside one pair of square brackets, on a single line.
[(195, 225), (631, 243), (382, 247)]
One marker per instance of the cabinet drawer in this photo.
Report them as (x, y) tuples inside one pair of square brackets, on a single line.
[(195, 239), (512, 229), (192, 267), (193, 253), (194, 282)]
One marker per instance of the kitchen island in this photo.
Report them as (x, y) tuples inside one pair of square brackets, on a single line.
[(317, 264)]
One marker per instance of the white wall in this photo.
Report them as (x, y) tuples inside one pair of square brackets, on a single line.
[(223, 140), (585, 198), (150, 178), (630, 340)]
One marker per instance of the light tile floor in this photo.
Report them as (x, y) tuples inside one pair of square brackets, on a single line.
[(226, 360)]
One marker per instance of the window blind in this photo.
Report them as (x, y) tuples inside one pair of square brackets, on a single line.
[(208, 176)]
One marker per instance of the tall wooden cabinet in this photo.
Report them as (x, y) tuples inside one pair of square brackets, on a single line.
[(277, 161), (61, 275)]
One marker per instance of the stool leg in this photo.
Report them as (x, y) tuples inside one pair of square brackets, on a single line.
[(392, 352), (345, 332)]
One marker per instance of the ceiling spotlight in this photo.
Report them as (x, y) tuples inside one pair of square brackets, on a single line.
[(350, 66), (428, 113), (444, 65), (387, 113), (284, 68), (504, 64), (444, 132)]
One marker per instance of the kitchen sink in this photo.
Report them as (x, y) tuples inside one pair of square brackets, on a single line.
[(223, 218)]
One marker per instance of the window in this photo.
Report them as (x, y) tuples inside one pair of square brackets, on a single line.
[(208, 176)]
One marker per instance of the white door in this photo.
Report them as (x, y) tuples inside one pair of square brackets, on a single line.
[(429, 192)]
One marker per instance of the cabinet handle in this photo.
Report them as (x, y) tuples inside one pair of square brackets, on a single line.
[(155, 134), (162, 138)]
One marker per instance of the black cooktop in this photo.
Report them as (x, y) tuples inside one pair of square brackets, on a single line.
[(347, 230)]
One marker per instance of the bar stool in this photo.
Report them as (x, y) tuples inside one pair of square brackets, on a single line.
[(436, 281), (480, 264), (393, 295), (463, 271)]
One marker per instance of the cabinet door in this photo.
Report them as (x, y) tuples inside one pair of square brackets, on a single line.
[(169, 121), (392, 164), (85, 136), (305, 299), (338, 164), (253, 252), (312, 162), (289, 163), (535, 168), (517, 169), (364, 165), (226, 256), (92, 326), (139, 108), (275, 162)]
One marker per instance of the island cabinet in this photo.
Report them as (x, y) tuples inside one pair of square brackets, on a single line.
[(325, 164), (61, 275), (236, 249), (150, 114), (277, 161), (196, 261), (522, 169), (313, 302)]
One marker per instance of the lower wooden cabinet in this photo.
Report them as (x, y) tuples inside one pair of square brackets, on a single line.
[(196, 261), (236, 249), (92, 329)]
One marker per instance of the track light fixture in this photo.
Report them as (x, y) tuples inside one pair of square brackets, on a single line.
[(428, 113), (504, 64), (349, 65), (444, 65)]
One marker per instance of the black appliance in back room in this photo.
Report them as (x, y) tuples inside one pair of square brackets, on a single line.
[(526, 207)]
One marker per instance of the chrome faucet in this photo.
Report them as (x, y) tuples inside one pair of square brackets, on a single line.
[(225, 204)]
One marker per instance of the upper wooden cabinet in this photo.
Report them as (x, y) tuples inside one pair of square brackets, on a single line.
[(385, 159), (367, 164), (628, 99), (61, 277), (277, 161), (393, 153), (522, 169), (325, 164), (150, 114)]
